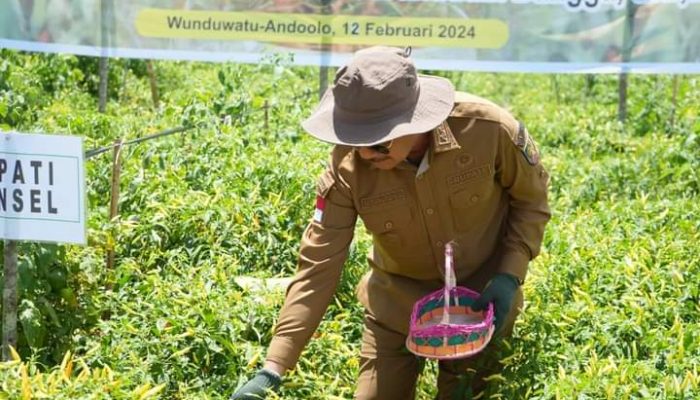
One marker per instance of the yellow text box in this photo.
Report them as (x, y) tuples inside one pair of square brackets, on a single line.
[(315, 29)]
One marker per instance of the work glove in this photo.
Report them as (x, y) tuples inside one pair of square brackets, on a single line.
[(500, 290), (258, 387)]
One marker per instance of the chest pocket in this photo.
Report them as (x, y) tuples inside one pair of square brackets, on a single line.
[(470, 206), (391, 226)]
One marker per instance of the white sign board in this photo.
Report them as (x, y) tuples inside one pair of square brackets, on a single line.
[(42, 188)]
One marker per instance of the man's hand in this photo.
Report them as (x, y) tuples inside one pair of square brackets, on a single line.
[(500, 290), (258, 387)]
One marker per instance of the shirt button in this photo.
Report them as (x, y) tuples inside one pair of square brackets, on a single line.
[(475, 198), (388, 225), (429, 211), (439, 244)]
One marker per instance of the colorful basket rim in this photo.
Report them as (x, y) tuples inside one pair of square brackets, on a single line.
[(484, 328), (455, 354)]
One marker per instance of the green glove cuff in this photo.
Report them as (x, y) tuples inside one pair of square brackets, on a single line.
[(500, 290), (272, 377), (512, 277), (255, 389)]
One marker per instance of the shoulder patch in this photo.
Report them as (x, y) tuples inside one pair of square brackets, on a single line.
[(323, 187), (521, 139), (527, 145)]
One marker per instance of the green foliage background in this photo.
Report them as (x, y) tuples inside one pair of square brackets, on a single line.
[(612, 304)]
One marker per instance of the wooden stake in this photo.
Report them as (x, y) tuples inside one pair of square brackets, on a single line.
[(627, 45), (622, 98), (114, 200), (323, 80), (267, 116), (122, 86), (555, 86), (590, 83), (154, 86), (674, 101), (326, 49), (104, 77), (9, 300), (106, 25)]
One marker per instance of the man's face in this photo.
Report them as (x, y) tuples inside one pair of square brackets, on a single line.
[(398, 150)]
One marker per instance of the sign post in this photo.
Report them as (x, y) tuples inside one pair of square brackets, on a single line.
[(9, 300), (42, 198)]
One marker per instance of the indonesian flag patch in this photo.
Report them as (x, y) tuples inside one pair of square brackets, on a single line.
[(324, 185), (320, 206)]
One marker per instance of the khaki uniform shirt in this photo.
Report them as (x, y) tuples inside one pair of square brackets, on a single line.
[(480, 184)]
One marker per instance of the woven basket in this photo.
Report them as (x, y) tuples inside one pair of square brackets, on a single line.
[(449, 329)]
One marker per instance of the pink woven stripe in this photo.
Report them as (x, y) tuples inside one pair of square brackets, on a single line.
[(448, 329), (442, 332)]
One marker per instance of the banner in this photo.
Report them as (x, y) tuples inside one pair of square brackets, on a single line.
[(42, 188), (591, 36)]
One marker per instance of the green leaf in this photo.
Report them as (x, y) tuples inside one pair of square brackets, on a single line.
[(28, 275), (32, 324), (48, 310), (57, 278)]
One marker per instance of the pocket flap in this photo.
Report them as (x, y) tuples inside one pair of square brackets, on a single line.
[(464, 198), (388, 219)]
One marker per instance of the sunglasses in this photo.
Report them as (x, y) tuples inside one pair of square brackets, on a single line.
[(382, 148)]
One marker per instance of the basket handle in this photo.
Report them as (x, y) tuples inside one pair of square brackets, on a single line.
[(450, 281)]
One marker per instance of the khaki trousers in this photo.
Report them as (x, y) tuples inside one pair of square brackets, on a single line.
[(388, 371)]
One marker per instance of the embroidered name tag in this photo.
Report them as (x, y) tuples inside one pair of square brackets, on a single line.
[(384, 198), (470, 175)]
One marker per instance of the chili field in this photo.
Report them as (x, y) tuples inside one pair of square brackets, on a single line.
[(612, 307)]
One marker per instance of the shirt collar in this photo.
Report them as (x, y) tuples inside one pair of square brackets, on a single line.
[(442, 140)]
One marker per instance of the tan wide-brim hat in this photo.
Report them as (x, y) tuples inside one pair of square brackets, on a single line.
[(378, 96)]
